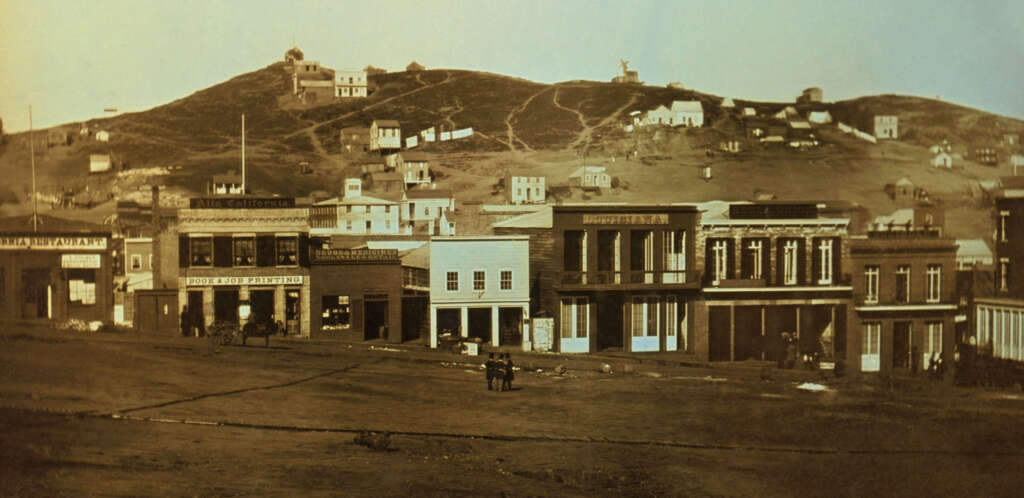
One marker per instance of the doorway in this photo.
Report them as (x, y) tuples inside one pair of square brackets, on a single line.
[(901, 344), (609, 323), (293, 311), (35, 283), (225, 306), (375, 323), (719, 323), (480, 323), (261, 306), (449, 321), (195, 312), (510, 321)]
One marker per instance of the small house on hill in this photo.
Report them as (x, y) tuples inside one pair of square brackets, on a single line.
[(414, 67), (293, 54), (591, 176), (942, 160), (689, 113), (886, 127), (659, 116), (727, 103), (812, 94), (98, 163), (306, 68), (350, 83), (820, 117), (354, 139), (102, 136), (414, 167), (385, 135), (904, 190)]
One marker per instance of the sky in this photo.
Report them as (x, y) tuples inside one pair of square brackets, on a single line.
[(71, 59)]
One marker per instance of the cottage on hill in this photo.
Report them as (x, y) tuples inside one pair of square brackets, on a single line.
[(354, 139), (102, 136), (591, 176), (687, 113), (942, 160), (659, 116), (886, 127), (98, 163), (415, 67), (414, 168), (350, 83), (385, 135)]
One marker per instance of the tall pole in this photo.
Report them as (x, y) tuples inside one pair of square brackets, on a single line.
[(243, 154), (32, 153)]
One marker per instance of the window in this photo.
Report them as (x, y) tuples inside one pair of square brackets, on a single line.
[(479, 280), (1003, 215), (871, 284), (201, 251), (452, 281), (932, 342), (81, 286), (287, 251), (136, 261), (934, 283), (825, 261), (870, 349), (426, 211), (244, 251), (1004, 270), (369, 225), (150, 261), (506, 279), (753, 259), (348, 225), (903, 284), (645, 316), (575, 319), (720, 249), (790, 262), (674, 252), (336, 312)]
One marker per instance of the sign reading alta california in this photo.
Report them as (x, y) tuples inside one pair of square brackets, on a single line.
[(51, 242), (241, 202)]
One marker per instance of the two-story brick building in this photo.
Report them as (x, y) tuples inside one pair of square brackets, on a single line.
[(999, 320), (479, 288), (623, 277), (770, 268), (243, 259), (904, 300)]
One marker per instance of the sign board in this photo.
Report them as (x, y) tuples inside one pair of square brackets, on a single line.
[(247, 280), (51, 243), (322, 256), (543, 333), (463, 133), (79, 260), (411, 142), (241, 202), (625, 219), (446, 136)]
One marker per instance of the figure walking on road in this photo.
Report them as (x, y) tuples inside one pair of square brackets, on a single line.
[(506, 384), (490, 365)]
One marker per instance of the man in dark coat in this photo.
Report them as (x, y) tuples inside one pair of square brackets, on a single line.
[(490, 365), (186, 322), (506, 365)]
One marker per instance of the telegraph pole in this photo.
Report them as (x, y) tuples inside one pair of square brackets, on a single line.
[(243, 154), (32, 153)]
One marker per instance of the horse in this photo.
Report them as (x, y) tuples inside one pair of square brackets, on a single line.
[(263, 329)]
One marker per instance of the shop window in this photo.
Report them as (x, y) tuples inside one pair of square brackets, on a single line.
[(337, 313), (81, 286), (287, 251), (244, 251), (201, 251)]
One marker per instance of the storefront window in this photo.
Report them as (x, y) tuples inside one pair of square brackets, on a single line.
[(201, 251), (82, 286), (287, 251), (244, 250), (337, 313)]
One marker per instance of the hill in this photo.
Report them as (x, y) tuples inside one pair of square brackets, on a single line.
[(518, 125)]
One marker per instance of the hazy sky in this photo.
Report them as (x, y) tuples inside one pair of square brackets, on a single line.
[(71, 59)]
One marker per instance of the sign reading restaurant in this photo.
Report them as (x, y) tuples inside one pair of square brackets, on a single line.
[(51, 243), (241, 202), (248, 280), (625, 219)]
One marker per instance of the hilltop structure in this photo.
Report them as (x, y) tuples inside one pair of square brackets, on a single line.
[(627, 76)]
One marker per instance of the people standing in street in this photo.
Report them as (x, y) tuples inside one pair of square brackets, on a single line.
[(499, 372), (490, 365), (509, 374), (186, 322)]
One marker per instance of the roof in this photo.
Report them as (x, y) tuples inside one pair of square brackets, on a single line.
[(587, 169), (429, 194), (350, 130), (660, 108), (898, 217), (414, 156), (687, 106), (386, 176), (386, 123), (537, 219), (973, 249), (463, 238), (358, 200), (727, 102), (804, 125), (49, 225), (416, 258), (99, 157), (905, 181)]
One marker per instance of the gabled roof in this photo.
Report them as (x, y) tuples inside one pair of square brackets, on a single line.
[(537, 219), (593, 170), (386, 123), (727, 102), (660, 108), (905, 181), (973, 249), (800, 125), (687, 106)]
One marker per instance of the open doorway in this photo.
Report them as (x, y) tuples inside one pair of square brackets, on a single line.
[(449, 321), (748, 343), (293, 311), (901, 345), (225, 306), (375, 321), (261, 304), (34, 291), (609, 322), (480, 323), (195, 313), (510, 321)]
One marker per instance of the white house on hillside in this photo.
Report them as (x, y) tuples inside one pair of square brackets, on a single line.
[(103, 136), (349, 83), (591, 176), (942, 160), (99, 163), (385, 134), (687, 113), (661, 115), (355, 214), (886, 127), (414, 167), (525, 189)]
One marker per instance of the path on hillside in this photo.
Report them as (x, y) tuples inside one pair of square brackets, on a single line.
[(579, 116), (317, 146), (512, 138), (316, 126), (583, 139)]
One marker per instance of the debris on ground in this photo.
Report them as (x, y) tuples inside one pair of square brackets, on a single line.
[(653, 375), (706, 378), (373, 440), (811, 386), (560, 369), (606, 368), (384, 348)]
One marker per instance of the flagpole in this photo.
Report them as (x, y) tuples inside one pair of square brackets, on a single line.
[(243, 154), (32, 153)]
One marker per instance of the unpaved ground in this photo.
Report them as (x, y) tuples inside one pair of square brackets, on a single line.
[(278, 421)]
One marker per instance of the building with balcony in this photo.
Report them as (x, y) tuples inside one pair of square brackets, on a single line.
[(904, 300), (368, 294), (356, 214), (998, 320), (623, 277), (350, 83), (245, 259), (479, 289), (769, 268), (385, 135)]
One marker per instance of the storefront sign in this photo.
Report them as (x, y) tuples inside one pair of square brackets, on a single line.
[(322, 256), (625, 219), (79, 260), (51, 243), (241, 203), (247, 280)]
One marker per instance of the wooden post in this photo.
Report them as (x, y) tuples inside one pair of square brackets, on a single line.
[(732, 332), (763, 335)]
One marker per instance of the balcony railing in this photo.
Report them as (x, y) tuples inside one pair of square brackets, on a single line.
[(630, 277)]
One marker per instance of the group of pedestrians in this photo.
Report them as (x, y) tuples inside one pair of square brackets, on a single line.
[(500, 369)]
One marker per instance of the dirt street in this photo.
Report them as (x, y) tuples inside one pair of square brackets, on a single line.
[(129, 415)]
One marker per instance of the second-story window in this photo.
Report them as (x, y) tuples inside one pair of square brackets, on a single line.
[(244, 251), (1004, 278), (1003, 215), (871, 284), (934, 283), (791, 262), (825, 261), (479, 280), (452, 281), (201, 251), (674, 254), (720, 250), (506, 279), (752, 264), (287, 251), (903, 284)]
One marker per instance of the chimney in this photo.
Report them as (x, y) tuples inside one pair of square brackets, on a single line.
[(156, 236)]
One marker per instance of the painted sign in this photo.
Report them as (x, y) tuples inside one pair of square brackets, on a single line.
[(246, 280), (463, 133), (327, 256), (51, 243), (79, 260), (241, 202), (625, 219)]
